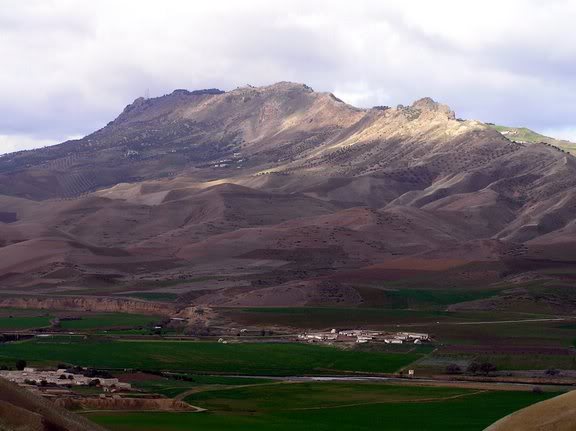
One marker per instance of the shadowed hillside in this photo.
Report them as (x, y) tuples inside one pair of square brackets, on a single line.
[(21, 410), (277, 187)]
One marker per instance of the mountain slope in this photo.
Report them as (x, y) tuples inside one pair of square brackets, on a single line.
[(273, 185)]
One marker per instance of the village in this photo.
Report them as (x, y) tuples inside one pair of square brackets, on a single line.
[(362, 336), (62, 378)]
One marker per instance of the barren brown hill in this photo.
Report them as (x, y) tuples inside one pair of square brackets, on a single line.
[(556, 414), (263, 188)]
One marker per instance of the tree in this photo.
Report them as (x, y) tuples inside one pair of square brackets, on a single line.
[(473, 368), (487, 367), (21, 364), (552, 372), (453, 369)]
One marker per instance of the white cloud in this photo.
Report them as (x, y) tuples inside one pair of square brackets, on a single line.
[(568, 133), (10, 143), (70, 66)]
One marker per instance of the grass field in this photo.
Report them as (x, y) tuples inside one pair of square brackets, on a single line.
[(326, 317), (24, 322), (14, 319), (331, 406), (545, 333), (108, 321), (206, 357), (171, 387)]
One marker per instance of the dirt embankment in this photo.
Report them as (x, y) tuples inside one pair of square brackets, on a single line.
[(89, 303), (131, 404)]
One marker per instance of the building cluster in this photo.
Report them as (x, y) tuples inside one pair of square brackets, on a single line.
[(60, 377), (364, 336)]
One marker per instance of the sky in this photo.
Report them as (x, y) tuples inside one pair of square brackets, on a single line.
[(69, 67)]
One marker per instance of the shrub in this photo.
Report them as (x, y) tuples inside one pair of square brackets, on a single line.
[(487, 367), (453, 369), (473, 368)]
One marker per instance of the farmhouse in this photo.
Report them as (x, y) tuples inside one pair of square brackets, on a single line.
[(364, 336), (414, 336), (318, 336)]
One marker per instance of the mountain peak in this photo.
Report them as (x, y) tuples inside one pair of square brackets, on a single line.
[(288, 85), (430, 105), (202, 92)]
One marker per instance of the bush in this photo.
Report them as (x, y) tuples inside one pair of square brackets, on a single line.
[(453, 369), (482, 367), (473, 368), (487, 367), (21, 364)]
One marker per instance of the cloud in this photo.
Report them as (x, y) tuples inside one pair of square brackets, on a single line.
[(568, 133), (11, 143), (69, 67)]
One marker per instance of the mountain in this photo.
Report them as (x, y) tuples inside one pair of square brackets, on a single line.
[(283, 195)]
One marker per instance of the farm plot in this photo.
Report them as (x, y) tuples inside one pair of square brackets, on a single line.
[(329, 406), (207, 357)]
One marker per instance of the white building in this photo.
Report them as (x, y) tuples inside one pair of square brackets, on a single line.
[(318, 336), (414, 335)]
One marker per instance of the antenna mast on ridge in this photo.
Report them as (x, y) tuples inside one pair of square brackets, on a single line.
[(147, 94)]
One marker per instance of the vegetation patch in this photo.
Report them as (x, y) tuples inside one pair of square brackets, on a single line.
[(208, 357), (108, 321), (330, 406)]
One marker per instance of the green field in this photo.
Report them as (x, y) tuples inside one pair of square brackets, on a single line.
[(171, 387), (24, 322), (206, 357), (108, 321), (332, 406), (14, 319), (326, 317)]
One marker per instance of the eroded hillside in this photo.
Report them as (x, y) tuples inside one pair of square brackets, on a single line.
[(232, 197)]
